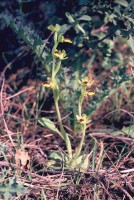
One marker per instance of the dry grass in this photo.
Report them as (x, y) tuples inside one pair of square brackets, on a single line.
[(111, 166)]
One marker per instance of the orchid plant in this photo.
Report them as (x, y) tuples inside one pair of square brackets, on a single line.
[(76, 159)]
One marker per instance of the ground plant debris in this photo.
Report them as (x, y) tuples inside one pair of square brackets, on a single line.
[(67, 100)]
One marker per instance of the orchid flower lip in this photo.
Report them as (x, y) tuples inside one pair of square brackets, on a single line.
[(67, 40), (46, 84), (86, 81), (82, 119), (60, 54), (89, 92), (56, 53), (50, 83)]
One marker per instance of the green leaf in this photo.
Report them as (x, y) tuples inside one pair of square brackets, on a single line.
[(11, 188), (85, 18), (28, 35), (70, 18), (129, 131), (81, 162), (49, 124), (131, 42), (78, 27), (55, 28), (64, 28), (55, 155), (122, 3), (56, 159)]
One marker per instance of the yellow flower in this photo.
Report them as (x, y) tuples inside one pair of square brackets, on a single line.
[(90, 93), (47, 84), (62, 39), (60, 54), (86, 81), (67, 40), (50, 83), (82, 119)]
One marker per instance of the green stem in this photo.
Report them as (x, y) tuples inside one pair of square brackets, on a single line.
[(78, 151), (53, 68), (80, 105), (65, 135), (57, 67), (81, 100)]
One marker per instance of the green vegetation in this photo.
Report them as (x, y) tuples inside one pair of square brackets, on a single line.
[(66, 99)]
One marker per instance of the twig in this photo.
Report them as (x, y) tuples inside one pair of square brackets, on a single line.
[(21, 54), (119, 110), (127, 194), (22, 91), (127, 171), (107, 135), (62, 174), (2, 112)]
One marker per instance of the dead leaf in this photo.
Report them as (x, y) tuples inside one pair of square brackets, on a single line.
[(22, 159)]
